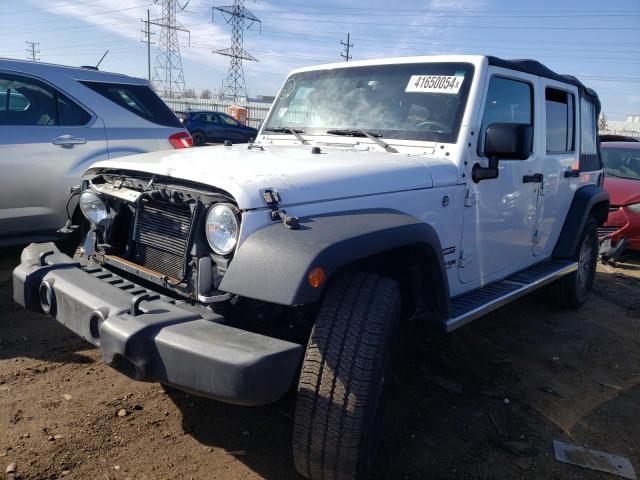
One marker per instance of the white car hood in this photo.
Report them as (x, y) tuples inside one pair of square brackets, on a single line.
[(293, 171)]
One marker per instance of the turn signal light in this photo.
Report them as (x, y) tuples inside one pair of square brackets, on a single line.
[(316, 277), (181, 140)]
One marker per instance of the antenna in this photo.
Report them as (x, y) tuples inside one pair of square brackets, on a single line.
[(240, 19), (105, 54), (167, 72)]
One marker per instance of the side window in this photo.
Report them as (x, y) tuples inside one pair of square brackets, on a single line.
[(71, 114), (508, 101), (589, 157), (559, 106), (26, 102), (229, 121)]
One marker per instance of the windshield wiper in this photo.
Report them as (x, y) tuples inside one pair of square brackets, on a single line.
[(374, 137), (292, 131)]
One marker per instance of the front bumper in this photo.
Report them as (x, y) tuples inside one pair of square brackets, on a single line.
[(153, 338), (622, 223)]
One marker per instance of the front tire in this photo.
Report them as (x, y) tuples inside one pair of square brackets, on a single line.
[(573, 290), (341, 392)]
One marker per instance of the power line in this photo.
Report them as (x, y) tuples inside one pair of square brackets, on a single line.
[(168, 75), (240, 19), (32, 51), (347, 48)]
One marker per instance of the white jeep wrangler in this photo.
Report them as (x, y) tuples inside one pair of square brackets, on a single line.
[(432, 188)]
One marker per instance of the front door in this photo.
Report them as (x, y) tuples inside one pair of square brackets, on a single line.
[(46, 142), (500, 213)]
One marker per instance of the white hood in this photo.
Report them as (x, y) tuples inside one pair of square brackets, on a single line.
[(293, 171)]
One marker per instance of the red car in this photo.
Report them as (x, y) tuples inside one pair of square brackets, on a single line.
[(622, 180)]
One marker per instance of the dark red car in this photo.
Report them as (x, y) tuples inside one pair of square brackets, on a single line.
[(622, 180)]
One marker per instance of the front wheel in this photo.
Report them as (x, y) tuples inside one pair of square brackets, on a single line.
[(573, 290), (341, 392)]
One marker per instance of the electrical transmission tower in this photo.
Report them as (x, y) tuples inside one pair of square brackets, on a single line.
[(32, 51), (347, 48), (167, 71), (240, 19)]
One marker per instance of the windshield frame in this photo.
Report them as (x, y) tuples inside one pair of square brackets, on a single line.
[(451, 136)]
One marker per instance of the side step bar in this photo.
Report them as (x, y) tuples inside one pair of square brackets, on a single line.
[(472, 305)]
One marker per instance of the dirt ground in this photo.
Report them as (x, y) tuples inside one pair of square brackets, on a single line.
[(482, 403)]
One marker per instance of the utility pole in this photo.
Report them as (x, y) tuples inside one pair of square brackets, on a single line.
[(32, 51), (347, 48), (147, 40), (240, 19), (167, 73)]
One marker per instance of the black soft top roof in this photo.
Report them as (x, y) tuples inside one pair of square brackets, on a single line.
[(536, 68)]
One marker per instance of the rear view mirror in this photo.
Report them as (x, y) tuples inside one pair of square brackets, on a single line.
[(508, 141), (504, 141)]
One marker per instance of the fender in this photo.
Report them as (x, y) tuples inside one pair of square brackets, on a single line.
[(273, 264), (583, 203)]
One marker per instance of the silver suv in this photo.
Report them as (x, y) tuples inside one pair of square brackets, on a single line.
[(55, 121)]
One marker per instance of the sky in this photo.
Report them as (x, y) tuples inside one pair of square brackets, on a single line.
[(599, 42)]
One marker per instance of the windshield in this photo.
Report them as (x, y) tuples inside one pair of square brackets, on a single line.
[(622, 162), (417, 101)]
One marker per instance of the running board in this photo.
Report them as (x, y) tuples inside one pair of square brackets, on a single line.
[(468, 307)]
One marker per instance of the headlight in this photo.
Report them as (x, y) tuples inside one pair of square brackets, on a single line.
[(222, 228), (92, 206), (634, 207)]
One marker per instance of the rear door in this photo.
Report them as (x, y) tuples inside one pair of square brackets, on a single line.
[(560, 162), (47, 139)]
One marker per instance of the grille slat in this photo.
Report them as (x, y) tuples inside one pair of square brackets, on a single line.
[(604, 231), (162, 237)]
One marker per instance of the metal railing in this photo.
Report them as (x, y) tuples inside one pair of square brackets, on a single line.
[(257, 111)]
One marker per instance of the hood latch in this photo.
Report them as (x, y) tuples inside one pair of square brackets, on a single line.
[(272, 199)]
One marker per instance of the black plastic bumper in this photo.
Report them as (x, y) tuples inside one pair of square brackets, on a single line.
[(151, 338)]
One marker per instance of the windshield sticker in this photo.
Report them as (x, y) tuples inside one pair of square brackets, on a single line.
[(282, 112), (287, 88), (435, 84)]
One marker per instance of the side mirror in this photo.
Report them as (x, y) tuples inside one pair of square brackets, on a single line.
[(504, 141)]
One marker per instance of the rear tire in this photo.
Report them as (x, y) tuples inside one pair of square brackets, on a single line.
[(341, 392), (573, 290), (199, 139)]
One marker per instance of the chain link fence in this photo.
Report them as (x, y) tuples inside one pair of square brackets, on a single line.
[(257, 111)]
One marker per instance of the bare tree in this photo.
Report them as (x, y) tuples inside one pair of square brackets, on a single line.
[(189, 93), (206, 94)]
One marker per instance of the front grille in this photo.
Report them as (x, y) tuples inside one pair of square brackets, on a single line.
[(604, 231), (161, 237)]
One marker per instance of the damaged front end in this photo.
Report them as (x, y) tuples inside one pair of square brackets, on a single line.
[(143, 287), (154, 229)]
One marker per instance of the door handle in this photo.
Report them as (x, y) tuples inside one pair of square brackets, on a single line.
[(535, 178), (68, 141), (571, 173)]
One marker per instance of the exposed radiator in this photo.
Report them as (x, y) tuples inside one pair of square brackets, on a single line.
[(161, 237)]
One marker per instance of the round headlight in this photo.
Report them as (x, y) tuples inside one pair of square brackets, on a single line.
[(92, 207), (222, 228)]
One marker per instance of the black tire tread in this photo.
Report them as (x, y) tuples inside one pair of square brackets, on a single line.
[(563, 293), (341, 369)]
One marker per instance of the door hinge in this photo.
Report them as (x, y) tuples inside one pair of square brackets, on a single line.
[(470, 199), (465, 259)]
